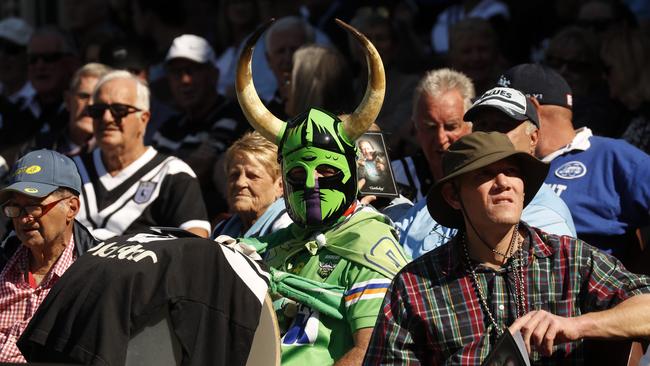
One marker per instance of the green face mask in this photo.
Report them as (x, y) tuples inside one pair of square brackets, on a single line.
[(318, 167)]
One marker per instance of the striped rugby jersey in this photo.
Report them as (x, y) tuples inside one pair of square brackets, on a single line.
[(154, 190), (432, 314)]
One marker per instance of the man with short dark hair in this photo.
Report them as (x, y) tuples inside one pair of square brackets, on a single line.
[(208, 124), (451, 305), (42, 200)]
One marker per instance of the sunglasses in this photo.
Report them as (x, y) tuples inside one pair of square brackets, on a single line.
[(45, 57), (35, 211), (118, 110)]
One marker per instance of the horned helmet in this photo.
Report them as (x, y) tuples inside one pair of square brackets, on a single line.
[(314, 140)]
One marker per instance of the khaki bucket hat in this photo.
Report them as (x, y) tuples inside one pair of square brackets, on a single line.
[(474, 151)]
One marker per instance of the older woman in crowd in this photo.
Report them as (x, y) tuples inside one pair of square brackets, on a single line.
[(254, 189)]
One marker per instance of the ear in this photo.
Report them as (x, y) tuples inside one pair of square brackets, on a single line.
[(278, 187), (451, 195), (73, 208), (144, 117), (534, 140)]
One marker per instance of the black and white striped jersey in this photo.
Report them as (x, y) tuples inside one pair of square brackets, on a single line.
[(154, 190), (214, 296)]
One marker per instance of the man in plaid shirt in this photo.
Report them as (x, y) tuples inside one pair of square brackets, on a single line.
[(499, 274), (42, 200)]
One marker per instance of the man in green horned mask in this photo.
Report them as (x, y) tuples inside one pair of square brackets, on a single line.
[(331, 267)]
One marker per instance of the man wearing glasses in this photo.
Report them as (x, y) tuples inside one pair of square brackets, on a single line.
[(42, 200), (128, 186)]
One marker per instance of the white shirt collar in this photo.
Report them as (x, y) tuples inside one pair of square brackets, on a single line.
[(579, 142)]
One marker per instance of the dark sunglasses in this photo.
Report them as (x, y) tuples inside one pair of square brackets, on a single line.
[(35, 211), (45, 57), (118, 110)]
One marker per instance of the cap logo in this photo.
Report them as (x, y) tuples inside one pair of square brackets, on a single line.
[(503, 81), (144, 192), (30, 190), (503, 97), (569, 100), (571, 170), (33, 169)]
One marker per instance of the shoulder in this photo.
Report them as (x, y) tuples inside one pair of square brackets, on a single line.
[(617, 147), (174, 165), (432, 267)]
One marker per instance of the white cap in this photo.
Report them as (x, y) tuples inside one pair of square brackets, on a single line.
[(193, 48), (15, 30)]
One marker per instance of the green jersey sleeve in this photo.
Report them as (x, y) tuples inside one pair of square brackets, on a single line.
[(365, 294)]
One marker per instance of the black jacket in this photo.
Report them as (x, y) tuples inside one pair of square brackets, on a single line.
[(83, 241)]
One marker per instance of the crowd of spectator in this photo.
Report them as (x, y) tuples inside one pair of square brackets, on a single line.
[(142, 96)]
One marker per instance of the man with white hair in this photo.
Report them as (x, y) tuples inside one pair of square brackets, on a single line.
[(127, 186), (440, 117)]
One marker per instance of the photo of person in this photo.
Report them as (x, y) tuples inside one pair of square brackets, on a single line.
[(373, 167)]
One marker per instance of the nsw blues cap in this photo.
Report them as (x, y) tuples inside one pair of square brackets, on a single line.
[(41, 172), (510, 101)]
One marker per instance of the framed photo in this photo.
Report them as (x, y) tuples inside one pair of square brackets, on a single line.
[(373, 166)]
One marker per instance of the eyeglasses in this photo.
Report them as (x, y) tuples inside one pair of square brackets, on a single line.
[(45, 57), (118, 110), (35, 211)]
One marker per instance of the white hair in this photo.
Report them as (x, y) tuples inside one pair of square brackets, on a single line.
[(287, 23), (436, 82), (141, 88)]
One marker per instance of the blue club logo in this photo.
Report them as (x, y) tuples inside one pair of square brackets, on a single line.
[(571, 170)]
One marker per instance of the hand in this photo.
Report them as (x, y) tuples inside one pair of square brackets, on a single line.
[(544, 330), (366, 200)]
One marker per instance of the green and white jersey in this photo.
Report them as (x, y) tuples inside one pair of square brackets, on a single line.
[(311, 337), (308, 339)]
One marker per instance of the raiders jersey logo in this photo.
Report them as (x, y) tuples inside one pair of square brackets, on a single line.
[(144, 192)]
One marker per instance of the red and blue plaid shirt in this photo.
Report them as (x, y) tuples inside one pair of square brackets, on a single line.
[(19, 299), (432, 314)]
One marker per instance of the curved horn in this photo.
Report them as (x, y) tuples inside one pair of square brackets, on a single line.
[(255, 111), (366, 113)]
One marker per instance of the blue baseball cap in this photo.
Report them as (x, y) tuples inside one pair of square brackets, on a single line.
[(41, 172)]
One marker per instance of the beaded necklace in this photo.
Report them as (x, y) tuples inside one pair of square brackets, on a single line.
[(518, 273)]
